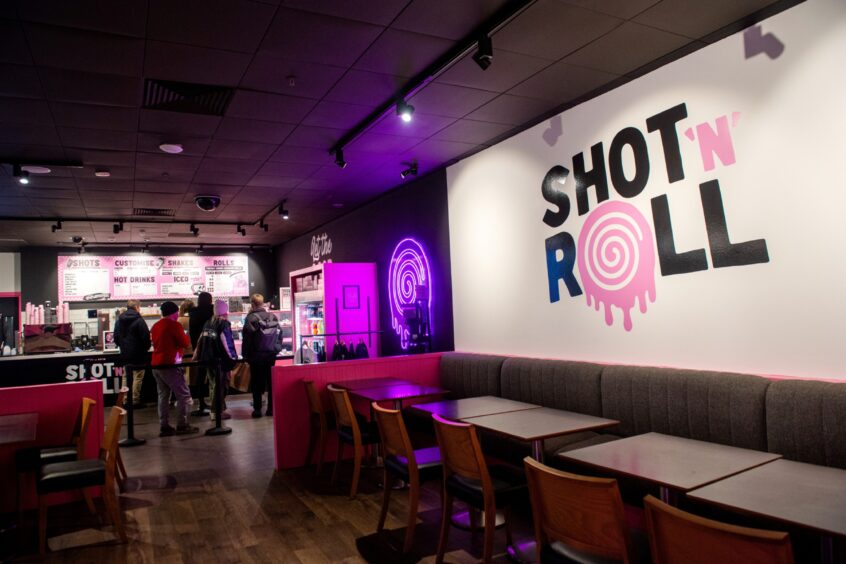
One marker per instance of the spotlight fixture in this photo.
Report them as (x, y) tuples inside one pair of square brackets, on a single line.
[(20, 174), (241, 229), (146, 249), (117, 227), (484, 52), (82, 248), (57, 226), (263, 226), (404, 110), (339, 158), (410, 171), (194, 229), (251, 249), (102, 173), (200, 250), (171, 148), (283, 211)]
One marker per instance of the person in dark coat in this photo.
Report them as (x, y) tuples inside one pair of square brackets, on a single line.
[(197, 319), (259, 348), (133, 337)]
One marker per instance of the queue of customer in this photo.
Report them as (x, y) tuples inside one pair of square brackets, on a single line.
[(200, 332)]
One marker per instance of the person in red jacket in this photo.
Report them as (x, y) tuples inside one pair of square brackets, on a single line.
[(169, 340)]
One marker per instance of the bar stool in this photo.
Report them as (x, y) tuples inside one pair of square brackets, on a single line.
[(82, 474), (321, 421), (407, 464), (353, 430), (678, 537), (468, 478)]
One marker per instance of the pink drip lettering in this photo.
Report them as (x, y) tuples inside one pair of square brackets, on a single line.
[(616, 258)]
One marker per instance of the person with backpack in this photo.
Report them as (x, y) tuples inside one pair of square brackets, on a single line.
[(217, 347), (133, 337), (259, 347), (197, 319)]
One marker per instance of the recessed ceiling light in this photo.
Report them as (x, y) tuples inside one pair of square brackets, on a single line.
[(33, 169), (102, 173), (172, 148), (404, 111)]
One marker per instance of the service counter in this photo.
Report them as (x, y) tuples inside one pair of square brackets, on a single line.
[(56, 368)]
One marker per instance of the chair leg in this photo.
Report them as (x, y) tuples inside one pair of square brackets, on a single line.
[(121, 474), (490, 528), (320, 455), (337, 462), (359, 452), (89, 501), (113, 509), (413, 501), (446, 514), (312, 443), (42, 525), (386, 498), (508, 538)]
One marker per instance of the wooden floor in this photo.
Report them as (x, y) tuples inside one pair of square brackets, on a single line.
[(218, 499)]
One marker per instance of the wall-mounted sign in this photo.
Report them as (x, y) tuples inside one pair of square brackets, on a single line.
[(321, 248), (410, 293), (96, 278)]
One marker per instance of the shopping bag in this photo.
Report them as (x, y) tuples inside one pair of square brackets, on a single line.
[(240, 377)]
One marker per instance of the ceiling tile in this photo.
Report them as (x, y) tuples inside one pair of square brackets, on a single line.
[(402, 53), (625, 9), (105, 195), (167, 163), (95, 117), (162, 175), (188, 63), (117, 173), (127, 17), (370, 142), (22, 110), (253, 130), (271, 74), (94, 157), (511, 110), (29, 134), (236, 166), (64, 85), (316, 137), (155, 200), (316, 38), (562, 82), (365, 88), (224, 178), (470, 131), (264, 198), (697, 19), (550, 30), (448, 100), (39, 184), (286, 154), (16, 150), (299, 170), (447, 18), (97, 138), (337, 115), (507, 70), (420, 126), (626, 48), (269, 107), (114, 185), (161, 186), (274, 181), (240, 149), (13, 47), (380, 12), (178, 124), (234, 25), (438, 150), (89, 51), (20, 81)]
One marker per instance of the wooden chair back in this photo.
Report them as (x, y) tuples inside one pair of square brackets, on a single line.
[(344, 412), (109, 446), (461, 452), (676, 536), (80, 427), (582, 512), (393, 434), (315, 404), (121, 397)]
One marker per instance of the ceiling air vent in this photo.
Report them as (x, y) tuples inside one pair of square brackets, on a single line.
[(153, 212), (186, 97)]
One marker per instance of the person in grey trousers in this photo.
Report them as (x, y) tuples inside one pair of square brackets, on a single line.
[(169, 342)]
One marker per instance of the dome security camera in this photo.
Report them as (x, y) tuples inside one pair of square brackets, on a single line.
[(207, 203)]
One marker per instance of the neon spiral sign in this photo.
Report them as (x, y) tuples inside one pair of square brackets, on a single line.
[(410, 285)]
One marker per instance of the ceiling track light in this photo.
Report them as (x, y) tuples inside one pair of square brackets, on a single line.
[(194, 229), (263, 226), (404, 110), (484, 52), (410, 171), (339, 158), (82, 248), (146, 248), (283, 211), (57, 226), (241, 229), (117, 227), (200, 250), (20, 174)]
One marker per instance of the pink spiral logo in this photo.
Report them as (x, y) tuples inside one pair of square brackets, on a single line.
[(616, 259), (409, 285)]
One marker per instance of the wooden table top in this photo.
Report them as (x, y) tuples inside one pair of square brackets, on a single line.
[(365, 383), (458, 409), (674, 462), (398, 392), (539, 423), (18, 428), (791, 492)]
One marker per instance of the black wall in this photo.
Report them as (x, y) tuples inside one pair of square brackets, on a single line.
[(40, 280), (370, 233)]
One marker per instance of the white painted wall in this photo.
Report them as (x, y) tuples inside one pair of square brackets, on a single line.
[(10, 272), (786, 316)]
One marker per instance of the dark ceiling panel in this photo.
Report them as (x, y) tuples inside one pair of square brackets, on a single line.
[(402, 53), (438, 150), (13, 47), (95, 117), (127, 17), (625, 9), (365, 88), (89, 88), (29, 134), (178, 124), (265, 180), (378, 143), (563, 82), (253, 130), (507, 70), (420, 126), (633, 44), (22, 110), (90, 156), (448, 100), (161, 187), (20, 81), (337, 115), (242, 167), (299, 170), (116, 173), (234, 25), (89, 51), (319, 39), (379, 12), (697, 19), (470, 131), (447, 18), (199, 65), (272, 74), (287, 154), (98, 139), (167, 163), (550, 30), (269, 107), (315, 137), (511, 110), (240, 149)]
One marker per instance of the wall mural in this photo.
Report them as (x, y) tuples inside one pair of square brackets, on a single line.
[(410, 293)]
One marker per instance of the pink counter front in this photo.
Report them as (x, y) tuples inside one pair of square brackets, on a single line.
[(57, 406), (290, 406)]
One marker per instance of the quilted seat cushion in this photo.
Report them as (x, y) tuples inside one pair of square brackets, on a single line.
[(560, 384)]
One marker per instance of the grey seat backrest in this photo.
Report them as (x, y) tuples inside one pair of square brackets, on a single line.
[(560, 384), (719, 407), (467, 375), (806, 421)]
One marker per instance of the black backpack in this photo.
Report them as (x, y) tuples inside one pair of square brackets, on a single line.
[(266, 343), (210, 349)]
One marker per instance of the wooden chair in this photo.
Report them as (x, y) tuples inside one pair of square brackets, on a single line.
[(680, 537), (29, 460), (321, 422), (352, 430), (405, 463), (82, 474), (121, 473), (577, 518), (468, 478)]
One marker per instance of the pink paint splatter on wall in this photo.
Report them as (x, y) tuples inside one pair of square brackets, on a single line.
[(616, 259)]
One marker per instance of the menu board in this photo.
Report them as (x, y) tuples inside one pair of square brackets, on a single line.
[(101, 278)]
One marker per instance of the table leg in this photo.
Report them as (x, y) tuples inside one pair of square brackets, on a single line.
[(527, 551), (462, 520), (827, 549), (665, 494)]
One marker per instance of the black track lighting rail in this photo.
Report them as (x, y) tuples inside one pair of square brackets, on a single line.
[(63, 220), (508, 12)]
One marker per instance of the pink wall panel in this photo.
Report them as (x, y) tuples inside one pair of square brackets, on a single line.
[(290, 406), (57, 406)]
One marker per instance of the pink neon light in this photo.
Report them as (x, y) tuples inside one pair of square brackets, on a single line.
[(409, 269)]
